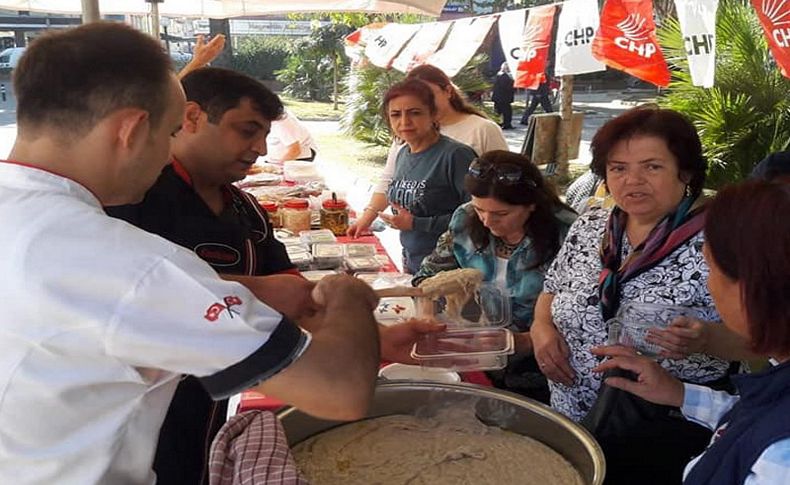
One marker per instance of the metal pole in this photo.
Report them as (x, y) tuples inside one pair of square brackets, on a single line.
[(564, 132), (90, 11)]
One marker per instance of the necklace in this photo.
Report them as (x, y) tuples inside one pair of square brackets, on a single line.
[(503, 249)]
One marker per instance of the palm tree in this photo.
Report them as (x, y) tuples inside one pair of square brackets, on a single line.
[(746, 115)]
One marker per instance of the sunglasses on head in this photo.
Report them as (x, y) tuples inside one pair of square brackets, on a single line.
[(504, 173)]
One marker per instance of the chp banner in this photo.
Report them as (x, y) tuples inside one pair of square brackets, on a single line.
[(576, 29), (698, 23), (462, 43), (775, 18), (384, 43), (421, 46), (535, 47), (511, 31), (626, 40)]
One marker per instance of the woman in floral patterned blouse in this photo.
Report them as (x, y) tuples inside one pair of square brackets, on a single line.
[(648, 248)]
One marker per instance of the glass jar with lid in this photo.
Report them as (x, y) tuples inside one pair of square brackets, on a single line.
[(273, 210), (334, 216), (295, 215)]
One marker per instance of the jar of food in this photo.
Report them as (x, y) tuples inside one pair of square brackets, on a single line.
[(334, 216), (273, 210), (295, 215)]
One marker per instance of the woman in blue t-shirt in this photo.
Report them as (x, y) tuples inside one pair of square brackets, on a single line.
[(429, 171)]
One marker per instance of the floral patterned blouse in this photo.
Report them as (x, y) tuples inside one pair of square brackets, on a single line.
[(680, 279)]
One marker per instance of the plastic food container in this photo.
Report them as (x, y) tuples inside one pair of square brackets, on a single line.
[(317, 236), (418, 373), (328, 255), (490, 307), (302, 259), (273, 210), (334, 216), (317, 275), (356, 250), (465, 350), (363, 263), (295, 215), (634, 320)]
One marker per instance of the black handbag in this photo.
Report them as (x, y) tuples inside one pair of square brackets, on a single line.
[(644, 443)]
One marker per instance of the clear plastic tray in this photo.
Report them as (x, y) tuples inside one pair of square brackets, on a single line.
[(299, 257), (328, 255), (363, 263), (317, 236), (634, 320), (489, 307), (317, 275), (465, 350), (356, 250)]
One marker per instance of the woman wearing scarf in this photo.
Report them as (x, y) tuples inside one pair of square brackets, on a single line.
[(648, 248), (749, 281)]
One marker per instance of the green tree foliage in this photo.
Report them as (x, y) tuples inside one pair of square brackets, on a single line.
[(260, 57), (309, 69), (366, 86), (746, 115)]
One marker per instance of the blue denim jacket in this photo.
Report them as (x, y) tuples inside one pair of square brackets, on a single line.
[(455, 249)]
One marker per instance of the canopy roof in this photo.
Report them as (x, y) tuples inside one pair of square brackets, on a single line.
[(230, 8)]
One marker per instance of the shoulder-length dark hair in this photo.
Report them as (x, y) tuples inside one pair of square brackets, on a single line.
[(752, 246), (542, 227), (409, 87), (675, 129), (434, 75)]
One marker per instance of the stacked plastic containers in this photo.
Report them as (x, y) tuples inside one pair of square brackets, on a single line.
[(476, 338)]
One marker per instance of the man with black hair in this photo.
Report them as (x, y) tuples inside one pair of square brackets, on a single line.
[(195, 204), (101, 318)]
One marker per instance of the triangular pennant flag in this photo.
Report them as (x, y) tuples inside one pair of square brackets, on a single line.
[(698, 23), (576, 29), (511, 29), (626, 40), (775, 17), (535, 51)]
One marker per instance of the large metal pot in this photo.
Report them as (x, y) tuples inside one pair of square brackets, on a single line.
[(495, 407)]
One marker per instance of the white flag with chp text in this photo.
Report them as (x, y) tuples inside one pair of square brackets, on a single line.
[(511, 30), (461, 44), (576, 29), (421, 46), (698, 24)]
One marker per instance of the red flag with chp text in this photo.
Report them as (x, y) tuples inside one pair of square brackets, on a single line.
[(535, 47), (775, 17), (626, 40)]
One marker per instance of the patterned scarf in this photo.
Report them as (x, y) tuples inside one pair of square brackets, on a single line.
[(669, 234)]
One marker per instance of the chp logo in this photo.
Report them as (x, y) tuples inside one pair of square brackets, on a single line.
[(532, 43), (636, 36), (778, 13)]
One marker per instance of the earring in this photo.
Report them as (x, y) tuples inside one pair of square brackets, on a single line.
[(688, 191)]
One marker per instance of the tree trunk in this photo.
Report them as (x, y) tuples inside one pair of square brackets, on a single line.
[(564, 132)]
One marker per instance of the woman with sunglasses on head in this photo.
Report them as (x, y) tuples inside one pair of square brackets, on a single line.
[(510, 231), (457, 119), (748, 252), (646, 249), (428, 182)]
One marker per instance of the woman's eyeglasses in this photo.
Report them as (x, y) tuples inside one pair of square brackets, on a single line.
[(504, 173)]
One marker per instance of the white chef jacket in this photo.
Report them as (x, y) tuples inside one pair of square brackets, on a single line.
[(99, 321)]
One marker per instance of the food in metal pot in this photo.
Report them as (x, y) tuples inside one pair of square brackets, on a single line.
[(452, 448)]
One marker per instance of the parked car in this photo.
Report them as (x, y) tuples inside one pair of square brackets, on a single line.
[(9, 58)]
